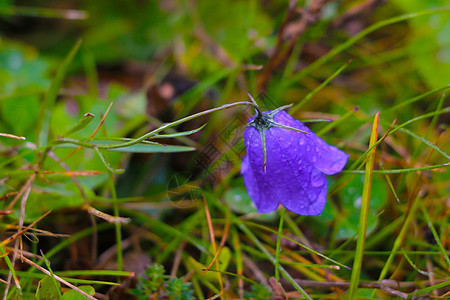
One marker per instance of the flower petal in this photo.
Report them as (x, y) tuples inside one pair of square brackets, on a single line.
[(326, 158), (296, 166), (307, 200), (258, 188), (329, 159), (301, 188)]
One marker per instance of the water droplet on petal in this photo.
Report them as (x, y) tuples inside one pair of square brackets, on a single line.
[(314, 158), (317, 178), (301, 140), (317, 149)]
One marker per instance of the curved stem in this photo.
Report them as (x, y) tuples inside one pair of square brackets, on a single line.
[(157, 130)]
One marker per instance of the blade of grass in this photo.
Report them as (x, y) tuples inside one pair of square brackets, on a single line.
[(239, 259), (178, 134), (362, 228), (398, 171), (426, 142), (278, 248), (431, 127), (117, 227), (399, 239), (106, 163), (283, 271), (95, 273), (82, 123), (431, 288), (57, 278), (298, 243), (52, 275), (337, 122), (435, 235), (43, 125), (400, 127), (190, 99), (43, 12), (212, 238), (8, 262), (317, 89), (417, 98), (347, 44), (405, 255)]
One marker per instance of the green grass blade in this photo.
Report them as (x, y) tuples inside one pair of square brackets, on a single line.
[(82, 123), (435, 235), (400, 238), (400, 127), (43, 12), (107, 164), (10, 266), (261, 247), (398, 171), (299, 244), (361, 237), (178, 134), (278, 248), (432, 288), (317, 89), (415, 99), (117, 226), (52, 275), (350, 42), (337, 122)]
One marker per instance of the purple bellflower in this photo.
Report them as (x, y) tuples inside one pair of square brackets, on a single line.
[(286, 163)]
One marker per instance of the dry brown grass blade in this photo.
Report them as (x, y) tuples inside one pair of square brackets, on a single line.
[(222, 243), (105, 216), (31, 263), (12, 136), (73, 173), (213, 239), (22, 231)]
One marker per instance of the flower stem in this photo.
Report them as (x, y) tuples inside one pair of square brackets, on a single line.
[(278, 249)]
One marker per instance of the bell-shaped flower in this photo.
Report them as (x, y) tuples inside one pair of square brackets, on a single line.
[(286, 163)]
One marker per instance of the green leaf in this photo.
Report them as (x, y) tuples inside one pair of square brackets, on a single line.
[(178, 134), (83, 122), (107, 164), (74, 295), (48, 289), (144, 147)]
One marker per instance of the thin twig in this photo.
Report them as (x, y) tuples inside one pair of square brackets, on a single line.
[(390, 286), (57, 278), (12, 136)]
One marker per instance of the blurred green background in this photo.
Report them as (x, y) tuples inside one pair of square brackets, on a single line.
[(158, 61)]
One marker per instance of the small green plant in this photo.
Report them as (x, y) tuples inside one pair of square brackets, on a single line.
[(156, 283)]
